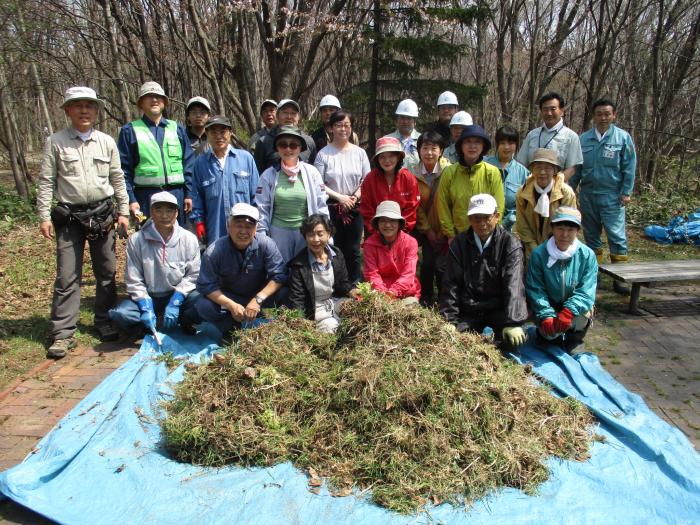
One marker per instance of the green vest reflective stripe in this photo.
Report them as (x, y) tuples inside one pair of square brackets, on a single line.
[(156, 167)]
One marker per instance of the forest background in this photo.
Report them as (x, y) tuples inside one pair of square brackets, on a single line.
[(498, 56)]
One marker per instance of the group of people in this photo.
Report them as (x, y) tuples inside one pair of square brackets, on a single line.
[(300, 220)]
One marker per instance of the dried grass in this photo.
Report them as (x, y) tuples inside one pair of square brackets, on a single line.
[(396, 401)]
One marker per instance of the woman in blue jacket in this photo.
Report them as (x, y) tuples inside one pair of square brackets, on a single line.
[(561, 283), (289, 192)]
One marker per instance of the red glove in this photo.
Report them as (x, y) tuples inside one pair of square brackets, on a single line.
[(201, 231), (563, 321), (547, 326)]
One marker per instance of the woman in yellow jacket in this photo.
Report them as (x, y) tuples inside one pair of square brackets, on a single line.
[(471, 176), (543, 193)]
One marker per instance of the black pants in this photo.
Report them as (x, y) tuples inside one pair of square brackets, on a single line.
[(430, 274), (348, 238)]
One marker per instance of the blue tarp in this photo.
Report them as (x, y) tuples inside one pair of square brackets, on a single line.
[(679, 230), (103, 464)]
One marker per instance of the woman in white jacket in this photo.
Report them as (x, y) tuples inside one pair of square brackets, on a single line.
[(288, 193)]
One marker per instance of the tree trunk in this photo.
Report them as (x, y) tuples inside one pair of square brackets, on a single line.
[(373, 79), (20, 177)]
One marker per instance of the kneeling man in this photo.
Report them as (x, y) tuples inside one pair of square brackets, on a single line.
[(162, 266), (241, 273), (483, 285)]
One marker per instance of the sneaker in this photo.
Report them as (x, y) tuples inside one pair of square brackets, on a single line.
[(107, 332), (60, 348)]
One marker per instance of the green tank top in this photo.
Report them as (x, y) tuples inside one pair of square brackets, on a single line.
[(290, 206)]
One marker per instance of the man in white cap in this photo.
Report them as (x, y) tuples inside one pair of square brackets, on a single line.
[(80, 170), (268, 117), (156, 155), (162, 266), (447, 106), (406, 116), (197, 114), (265, 153), (483, 285), (241, 273)]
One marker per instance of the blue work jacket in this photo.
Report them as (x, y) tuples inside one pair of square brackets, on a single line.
[(570, 284), (514, 176), (609, 165), (216, 190), (241, 274)]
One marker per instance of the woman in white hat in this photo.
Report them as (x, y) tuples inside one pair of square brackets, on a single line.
[(391, 255), (389, 180), (543, 192), (288, 193), (561, 283)]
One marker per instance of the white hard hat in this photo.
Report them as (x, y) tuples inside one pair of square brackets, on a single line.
[(447, 97), (329, 100), (461, 118), (407, 108)]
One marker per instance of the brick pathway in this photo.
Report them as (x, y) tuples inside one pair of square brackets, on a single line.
[(656, 356), (30, 409)]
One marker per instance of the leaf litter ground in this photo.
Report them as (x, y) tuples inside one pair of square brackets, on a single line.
[(396, 402)]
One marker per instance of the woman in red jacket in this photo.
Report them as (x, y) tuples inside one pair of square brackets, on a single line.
[(391, 255), (389, 181)]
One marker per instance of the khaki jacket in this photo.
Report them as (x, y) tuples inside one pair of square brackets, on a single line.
[(527, 221)]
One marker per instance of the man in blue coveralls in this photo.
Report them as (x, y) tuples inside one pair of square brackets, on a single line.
[(605, 182), (156, 155), (222, 177)]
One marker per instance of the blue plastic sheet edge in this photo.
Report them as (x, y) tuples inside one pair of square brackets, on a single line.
[(103, 463)]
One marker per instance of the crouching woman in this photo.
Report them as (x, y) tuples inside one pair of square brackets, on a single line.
[(319, 281), (561, 283), (391, 255)]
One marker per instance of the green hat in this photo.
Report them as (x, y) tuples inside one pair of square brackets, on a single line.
[(291, 131)]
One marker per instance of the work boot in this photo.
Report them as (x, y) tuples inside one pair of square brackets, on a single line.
[(107, 332), (599, 255), (60, 348), (618, 286)]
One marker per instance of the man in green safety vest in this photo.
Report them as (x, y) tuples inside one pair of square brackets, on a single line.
[(155, 155)]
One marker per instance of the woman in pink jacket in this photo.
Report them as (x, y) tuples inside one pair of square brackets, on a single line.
[(391, 255)]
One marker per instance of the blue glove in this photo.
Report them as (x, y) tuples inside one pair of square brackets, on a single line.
[(172, 311), (148, 316)]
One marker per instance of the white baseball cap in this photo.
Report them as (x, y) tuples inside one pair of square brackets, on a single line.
[(483, 204), (198, 100), (164, 196), (288, 102), (245, 210), (151, 88)]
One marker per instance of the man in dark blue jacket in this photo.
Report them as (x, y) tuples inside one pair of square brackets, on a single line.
[(240, 273)]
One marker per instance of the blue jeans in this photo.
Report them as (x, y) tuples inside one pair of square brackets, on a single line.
[(126, 314), (221, 318)]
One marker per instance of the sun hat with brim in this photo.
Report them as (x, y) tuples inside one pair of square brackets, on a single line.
[(164, 197), (566, 214), (151, 88), (547, 156), (198, 100), (482, 204), (388, 210), (388, 145), (76, 93), (243, 210), (219, 120), (290, 131), (288, 102), (474, 130)]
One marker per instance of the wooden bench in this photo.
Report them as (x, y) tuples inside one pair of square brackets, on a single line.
[(644, 273)]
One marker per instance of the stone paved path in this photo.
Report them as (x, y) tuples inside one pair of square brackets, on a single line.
[(656, 355)]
